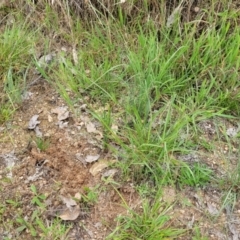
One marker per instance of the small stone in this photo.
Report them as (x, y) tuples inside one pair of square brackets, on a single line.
[(196, 9)]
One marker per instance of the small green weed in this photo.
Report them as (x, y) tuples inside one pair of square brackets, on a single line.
[(90, 196), (37, 199), (42, 144), (198, 235), (6, 111)]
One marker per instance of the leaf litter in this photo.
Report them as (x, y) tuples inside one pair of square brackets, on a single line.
[(33, 122), (99, 166), (72, 211), (70, 214)]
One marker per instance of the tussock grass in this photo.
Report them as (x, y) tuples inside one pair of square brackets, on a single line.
[(163, 87)]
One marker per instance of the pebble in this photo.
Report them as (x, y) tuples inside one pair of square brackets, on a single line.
[(196, 9)]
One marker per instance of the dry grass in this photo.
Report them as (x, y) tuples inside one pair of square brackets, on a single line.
[(128, 11)]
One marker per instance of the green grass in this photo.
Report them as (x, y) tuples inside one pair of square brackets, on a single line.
[(42, 144), (16, 58), (150, 224), (155, 84), (196, 175)]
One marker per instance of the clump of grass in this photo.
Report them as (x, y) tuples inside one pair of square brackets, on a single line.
[(6, 111), (150, 223), (197, 175), (15, 59), (161, 88)]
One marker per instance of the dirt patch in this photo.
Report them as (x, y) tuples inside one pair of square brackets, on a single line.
[(60, 169)]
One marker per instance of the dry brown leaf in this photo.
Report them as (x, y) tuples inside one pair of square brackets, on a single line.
[(91, 127), (45, 60), (70, 214), (26, 95), (99, 166), (50, 119), (62, 113), (110, 173), (212, 209), (91, 158), (33, 122), (75, 56), (68, 201), (175, 14), (78, 196), (38, 132), (62, 124)]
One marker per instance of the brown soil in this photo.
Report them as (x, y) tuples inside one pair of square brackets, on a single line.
[(56, 171)]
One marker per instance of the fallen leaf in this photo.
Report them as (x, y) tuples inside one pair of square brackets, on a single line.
[(80, 158), (70, 214), (46, 60), (172, 18), (232, 132), (33, 122), (75, 56), (99, 166), (62, 113), (190, 223), (231, 220), (212, 209), (35, 176), (110, 173), (38, 132), (50, 119), (26, 95), (83, 107), (9, 159), (91, 127), (78, 196), (91, 158), (62, 124), (68, 201)]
